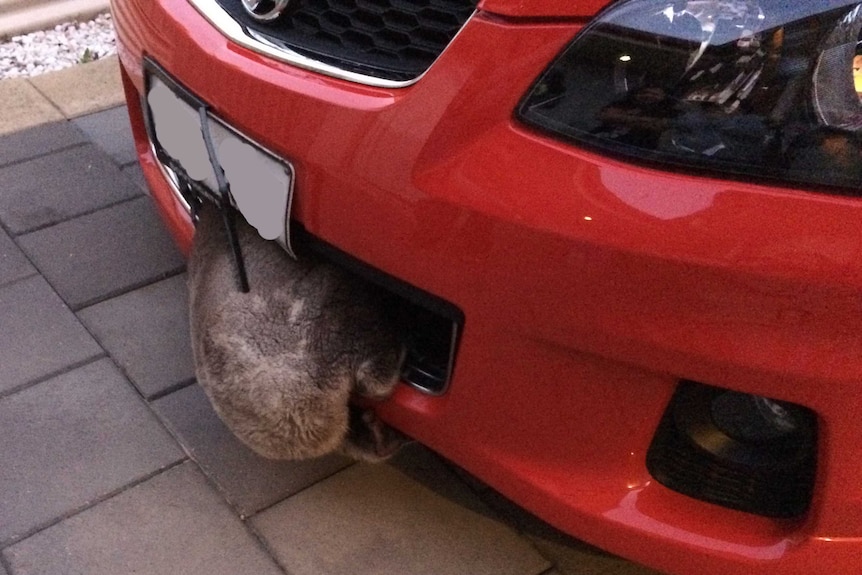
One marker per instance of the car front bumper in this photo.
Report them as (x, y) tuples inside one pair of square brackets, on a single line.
[(589, 287)]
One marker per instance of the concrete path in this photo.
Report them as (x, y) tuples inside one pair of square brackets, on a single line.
[(23, 16), (112, 460)]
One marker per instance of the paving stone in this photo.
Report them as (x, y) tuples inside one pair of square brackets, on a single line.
[(23, 106), (427, 468), (110, 130), (85, 88), (71, 440), (574, 560), (53, 188), (39, 141), (173, 523), (146, 331), (248, 481), (13, 263), (375, 519), (105, 253), (39, 335), (134, 173)]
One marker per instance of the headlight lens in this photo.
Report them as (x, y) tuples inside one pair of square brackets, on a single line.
[(746, 88)]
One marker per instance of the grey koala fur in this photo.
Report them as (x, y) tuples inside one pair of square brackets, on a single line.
[(280, 363)]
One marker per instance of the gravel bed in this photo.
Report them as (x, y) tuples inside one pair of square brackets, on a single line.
[(63, 46)]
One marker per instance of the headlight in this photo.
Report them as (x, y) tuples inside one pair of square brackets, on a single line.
[(743, 88)]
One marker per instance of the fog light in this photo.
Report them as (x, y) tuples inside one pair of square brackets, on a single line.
[(742, 451), (755, 419)]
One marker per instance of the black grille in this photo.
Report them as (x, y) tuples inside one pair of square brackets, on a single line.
[(391, 39), (431, 340), (780, 485)]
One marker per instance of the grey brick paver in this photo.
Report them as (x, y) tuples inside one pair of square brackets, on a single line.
[(39, 141), (111, 131), (71, 440), (39, 334), (377, 520), (173, 523), (146, 331), (49, 189), (134, 173), (13, 263), (105, 253), (248, 481)]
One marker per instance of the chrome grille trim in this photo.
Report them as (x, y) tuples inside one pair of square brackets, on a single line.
[(233, 30)]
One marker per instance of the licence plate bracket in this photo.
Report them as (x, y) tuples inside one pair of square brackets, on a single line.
[(213, 163)]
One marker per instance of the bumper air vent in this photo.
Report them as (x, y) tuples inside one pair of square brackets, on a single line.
[(431, 325)]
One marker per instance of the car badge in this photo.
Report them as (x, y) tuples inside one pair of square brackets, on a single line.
[(265, 10)]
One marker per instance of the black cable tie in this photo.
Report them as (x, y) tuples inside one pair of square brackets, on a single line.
[(227, 209)]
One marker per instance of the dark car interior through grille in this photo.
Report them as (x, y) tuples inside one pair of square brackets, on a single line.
[(391, 39)]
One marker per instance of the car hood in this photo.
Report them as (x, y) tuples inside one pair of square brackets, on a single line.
[(543, 8)]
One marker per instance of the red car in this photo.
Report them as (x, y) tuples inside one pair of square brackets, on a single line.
[(629, 234)]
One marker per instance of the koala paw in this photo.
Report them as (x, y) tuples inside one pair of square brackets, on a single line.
[(369, 438)]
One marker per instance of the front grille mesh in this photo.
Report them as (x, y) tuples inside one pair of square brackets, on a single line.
[(391, 39)]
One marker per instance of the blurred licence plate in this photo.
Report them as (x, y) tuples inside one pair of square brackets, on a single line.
[(260, 184)]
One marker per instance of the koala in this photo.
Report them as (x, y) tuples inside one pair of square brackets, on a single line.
[(281, 362)]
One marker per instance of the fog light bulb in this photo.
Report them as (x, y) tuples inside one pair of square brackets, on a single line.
[(776, 414), (753, 419)]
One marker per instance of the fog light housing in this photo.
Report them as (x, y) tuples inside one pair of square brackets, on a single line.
[(741, 451)]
